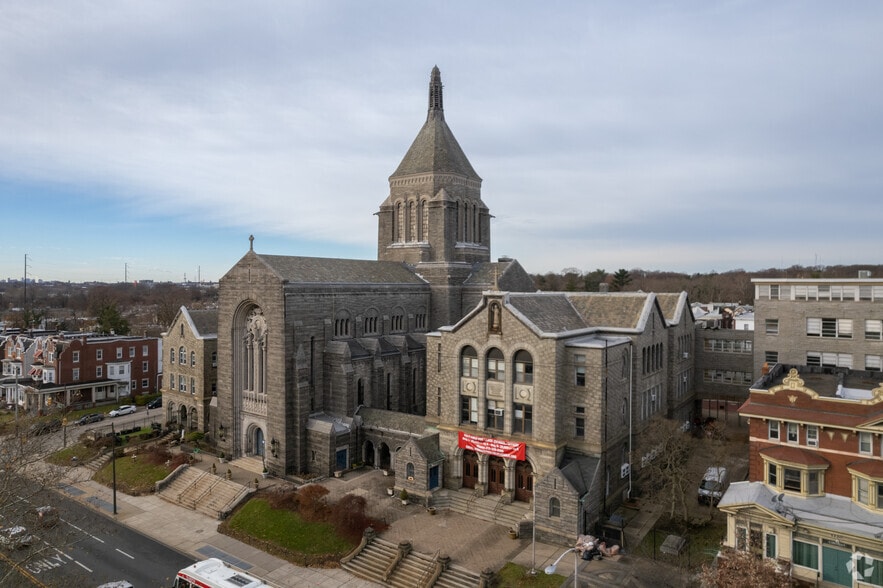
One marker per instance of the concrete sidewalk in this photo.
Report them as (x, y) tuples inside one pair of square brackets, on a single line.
[(472, 544)]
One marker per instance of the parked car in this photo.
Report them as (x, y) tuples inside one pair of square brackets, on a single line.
[(714, 484), (15, 537), (44, 427), (92, 417), (124, 409), (155, 403), (44, 516)]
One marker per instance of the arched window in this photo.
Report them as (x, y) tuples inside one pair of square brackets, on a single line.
[(360, 392), (496, 365), (172, 355), (468, 362), (192, 386), (372, 322), (342, 324), (409, 471), (523, 368), (192, 358), (182, 355), (554, 507)]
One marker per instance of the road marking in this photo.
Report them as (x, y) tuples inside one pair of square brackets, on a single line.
[(85, 532), (82, 566), (126, 554)]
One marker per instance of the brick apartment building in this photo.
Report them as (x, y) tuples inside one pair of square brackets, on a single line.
[(814, 496), (81, 370)]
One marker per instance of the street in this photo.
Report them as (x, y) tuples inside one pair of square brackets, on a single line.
[(88, 549)]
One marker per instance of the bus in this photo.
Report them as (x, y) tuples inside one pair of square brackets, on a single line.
[(214, 573)]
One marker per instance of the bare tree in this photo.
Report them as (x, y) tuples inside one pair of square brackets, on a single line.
[(742, 568), (664, 449), (27, 533)]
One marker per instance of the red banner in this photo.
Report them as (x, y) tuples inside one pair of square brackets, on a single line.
[(490, 446)]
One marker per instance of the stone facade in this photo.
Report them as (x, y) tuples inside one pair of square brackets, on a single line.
[(305, 343), (570, 379), (191, 375)]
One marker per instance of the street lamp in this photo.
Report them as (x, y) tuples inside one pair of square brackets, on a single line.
[(551, 569), (533, 526)]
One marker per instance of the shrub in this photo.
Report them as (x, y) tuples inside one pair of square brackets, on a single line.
[(311, 503)]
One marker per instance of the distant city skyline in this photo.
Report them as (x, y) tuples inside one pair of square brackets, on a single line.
[(688, 137)]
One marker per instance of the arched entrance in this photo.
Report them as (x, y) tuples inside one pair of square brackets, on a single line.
[(496, 475), (385, 459), (368, 454), (259, 441), (523, 481), (182, 416), (470, 469)]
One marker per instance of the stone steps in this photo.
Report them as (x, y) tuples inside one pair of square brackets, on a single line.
[(372, 562), (414, 570), (204, 492)]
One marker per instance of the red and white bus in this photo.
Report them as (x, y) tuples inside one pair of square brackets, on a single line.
[(214, 573)]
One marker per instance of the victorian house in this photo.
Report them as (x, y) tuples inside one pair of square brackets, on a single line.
[(814, 498)]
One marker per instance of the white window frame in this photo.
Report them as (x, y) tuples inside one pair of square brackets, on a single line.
[(774, 430), (812, 435), (874, 329), (865, 443), (792, 432)]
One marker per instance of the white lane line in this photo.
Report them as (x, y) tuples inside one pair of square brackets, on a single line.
[(126, 554), (82, 566), (85, 532)]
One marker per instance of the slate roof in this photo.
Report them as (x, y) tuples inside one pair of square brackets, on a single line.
[(428, 446), (322, 270), (390, 420), (205, 322), (494, 273), (795, 455), (555, 312), (435, 149), (580, 471)]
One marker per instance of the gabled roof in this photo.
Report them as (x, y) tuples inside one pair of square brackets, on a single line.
[(435, 150), (580, 471), (321, 270), (203, 323)]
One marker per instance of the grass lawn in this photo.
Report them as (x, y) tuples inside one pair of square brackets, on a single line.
[(516, 576), (288, 530), (134, 476), (78, 450)]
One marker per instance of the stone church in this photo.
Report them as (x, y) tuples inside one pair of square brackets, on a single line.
[(307, 345), (444, 366)]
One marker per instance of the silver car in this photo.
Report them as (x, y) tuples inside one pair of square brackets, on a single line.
[(124, 409)]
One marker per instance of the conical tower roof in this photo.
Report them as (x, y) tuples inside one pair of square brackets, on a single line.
[(435, 149)]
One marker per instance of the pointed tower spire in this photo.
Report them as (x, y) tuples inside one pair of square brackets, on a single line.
[(436, 104)]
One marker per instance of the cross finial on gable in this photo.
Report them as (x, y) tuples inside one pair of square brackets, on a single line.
[(251, 242)]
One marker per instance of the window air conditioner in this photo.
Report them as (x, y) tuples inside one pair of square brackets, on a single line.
[(686, 355), (498, 412), (625, 470)]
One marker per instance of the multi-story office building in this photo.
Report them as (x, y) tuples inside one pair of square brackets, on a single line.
[(832, 323)]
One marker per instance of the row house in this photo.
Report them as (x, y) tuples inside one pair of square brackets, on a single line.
[(17, 356), (81, 370), (190, 376), (537, 397), (814, 497)]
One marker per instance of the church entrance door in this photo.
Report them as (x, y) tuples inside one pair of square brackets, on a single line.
[(470, 469), (496, 475), (523, 481)]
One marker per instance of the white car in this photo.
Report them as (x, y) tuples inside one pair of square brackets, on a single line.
[(124, 409), (15, 537)]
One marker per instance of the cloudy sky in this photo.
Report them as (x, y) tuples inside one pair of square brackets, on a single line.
[(148, 140)]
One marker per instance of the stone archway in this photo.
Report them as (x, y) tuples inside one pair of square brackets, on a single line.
[(385, 457), (470, 469), (368, 453)]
